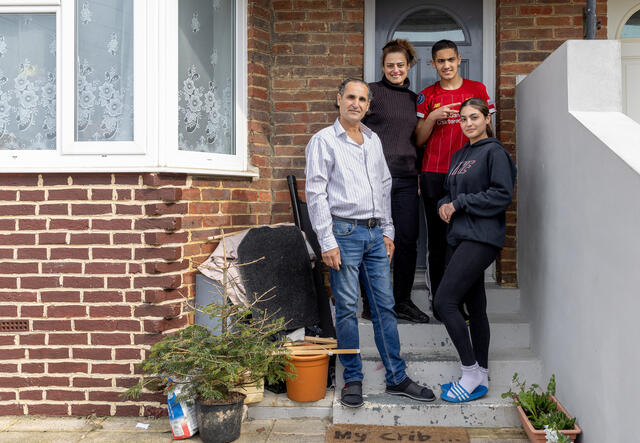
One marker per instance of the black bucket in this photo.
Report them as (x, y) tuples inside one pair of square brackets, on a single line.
[(220, 423)]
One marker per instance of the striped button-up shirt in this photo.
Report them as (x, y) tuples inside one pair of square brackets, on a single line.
[(346, 180)]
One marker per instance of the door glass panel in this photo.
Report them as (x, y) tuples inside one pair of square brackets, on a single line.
[(206, 72), (27, 81), (631, 29), (104, 70), (429, 25)]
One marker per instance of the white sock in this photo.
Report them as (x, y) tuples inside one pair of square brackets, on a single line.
[(470, 380), (485, 376)]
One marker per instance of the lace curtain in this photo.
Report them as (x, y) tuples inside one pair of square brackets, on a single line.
[(205, 69), (27, 81), (104, 70)]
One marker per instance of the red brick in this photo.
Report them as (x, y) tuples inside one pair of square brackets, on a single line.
[(32, 224), (67, 253), (127, 354), (111, 368), (165, 194), (89, 239), (102, 296), (31, 395), (164, 179), (13, 210), (165, 324), (15, 409), (52, 238), (152, 411), (109, 396), (18, 268), (32, 339), (90, 209), (102, 194), (165, 311), (110, 339), (51, 325), (8, 195), (60, 395), (118, 282), (83, 282), (128, 210), (68, 339), (6, 396), (48, 381), (85, 410), (17, 239), (31, 311), (47, 409), (160, 295), (48, 353), (168, 223), (31, 254), (92, 353), (8, 311), (162, 238), (8, 340), (107, 325), (164, 281), (66, 311), (60, 296), (109, 311), (127, 179), (105, 268), (39, 282), (111, 253), (61, 268), (166, 253), (127, 239), (69, 224), (67, 194), (54, 209), (88, 382), (8, 253), (12, 354), (164, 267), (115, 224), (127, 410)]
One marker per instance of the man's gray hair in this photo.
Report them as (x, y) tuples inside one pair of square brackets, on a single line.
[(348, 80)]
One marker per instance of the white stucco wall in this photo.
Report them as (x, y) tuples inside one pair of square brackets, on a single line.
[(617, 11), (579, 234)]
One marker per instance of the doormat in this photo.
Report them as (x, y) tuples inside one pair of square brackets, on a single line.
[(383, 434)]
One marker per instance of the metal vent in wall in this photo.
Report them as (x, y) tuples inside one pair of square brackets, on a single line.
[(14, 325)]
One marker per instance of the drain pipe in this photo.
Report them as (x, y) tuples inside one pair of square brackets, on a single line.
[(590, 20)]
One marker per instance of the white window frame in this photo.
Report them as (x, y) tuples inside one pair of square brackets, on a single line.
[(156, 119)]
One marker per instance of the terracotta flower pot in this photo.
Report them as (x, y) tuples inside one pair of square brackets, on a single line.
[(311, 381), (538, 435)]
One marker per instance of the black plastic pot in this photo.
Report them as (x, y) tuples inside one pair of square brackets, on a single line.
[(220, 423)]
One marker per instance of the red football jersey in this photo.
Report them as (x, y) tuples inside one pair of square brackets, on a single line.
[(446, 137)]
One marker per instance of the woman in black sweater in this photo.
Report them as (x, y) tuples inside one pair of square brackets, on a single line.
[(479, 189), (392, 115)]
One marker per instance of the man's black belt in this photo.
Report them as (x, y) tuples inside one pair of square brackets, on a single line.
[(369, 222)]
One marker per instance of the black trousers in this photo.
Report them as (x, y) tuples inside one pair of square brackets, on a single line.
[(432, 190), (463, 281), (405, 207)]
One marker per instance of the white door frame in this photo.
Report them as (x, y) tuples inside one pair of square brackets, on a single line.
[(371, 68)]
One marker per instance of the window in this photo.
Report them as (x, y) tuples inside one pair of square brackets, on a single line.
[(427, 26), (631, 28), (123, 85)]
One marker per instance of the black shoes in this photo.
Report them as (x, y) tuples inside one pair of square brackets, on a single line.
[(352, 394), (406, 310), (409, 388)]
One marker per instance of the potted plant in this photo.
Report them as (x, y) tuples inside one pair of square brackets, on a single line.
[(542, 416), (206, 365)]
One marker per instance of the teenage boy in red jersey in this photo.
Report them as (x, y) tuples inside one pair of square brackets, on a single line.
[(439, 126)]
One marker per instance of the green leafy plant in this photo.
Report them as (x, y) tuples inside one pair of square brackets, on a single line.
[(244, 348), (538, 405)]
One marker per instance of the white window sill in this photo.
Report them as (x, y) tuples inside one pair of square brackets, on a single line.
[(252, 172)]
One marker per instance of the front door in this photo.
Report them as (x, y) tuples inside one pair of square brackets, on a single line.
[(423, 23)]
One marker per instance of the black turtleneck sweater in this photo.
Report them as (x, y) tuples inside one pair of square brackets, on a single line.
[(392, 116)]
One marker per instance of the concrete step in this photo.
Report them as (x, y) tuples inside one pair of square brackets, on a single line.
[(500, 299), (278, 406), (491, 411), (436, 368), (507, 331)]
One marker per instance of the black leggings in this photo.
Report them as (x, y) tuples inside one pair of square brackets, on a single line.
[(463, 281)]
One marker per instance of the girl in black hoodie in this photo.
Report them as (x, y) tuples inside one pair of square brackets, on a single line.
[(479, 189)]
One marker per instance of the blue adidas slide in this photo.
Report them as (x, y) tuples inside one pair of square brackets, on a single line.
[(461, 394)]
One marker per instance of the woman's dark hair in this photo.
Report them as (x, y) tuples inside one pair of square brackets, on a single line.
[(481, 106), (402, 46), (443, 44)]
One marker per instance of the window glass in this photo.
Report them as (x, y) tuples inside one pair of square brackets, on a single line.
[(205, 76), (631, 29), (104, 70), (27, 81), (429, 25)]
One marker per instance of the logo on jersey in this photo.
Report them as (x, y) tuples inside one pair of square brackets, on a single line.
[(421, 99), (437, 105)]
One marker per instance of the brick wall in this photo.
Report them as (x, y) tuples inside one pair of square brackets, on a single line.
[(527, 32), (316, 44)]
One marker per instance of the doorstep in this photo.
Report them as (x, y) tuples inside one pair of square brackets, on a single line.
[(277, 406)]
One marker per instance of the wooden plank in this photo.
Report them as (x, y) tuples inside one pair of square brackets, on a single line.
[(310, 339)]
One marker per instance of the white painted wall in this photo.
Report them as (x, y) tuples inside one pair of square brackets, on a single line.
[(579, 234)]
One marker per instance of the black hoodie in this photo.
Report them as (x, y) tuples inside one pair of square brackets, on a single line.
[(480, 185)]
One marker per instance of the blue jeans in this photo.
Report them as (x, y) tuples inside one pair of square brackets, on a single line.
[(363, 245)]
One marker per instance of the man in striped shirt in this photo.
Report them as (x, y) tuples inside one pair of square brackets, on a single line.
[(348, 188)]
